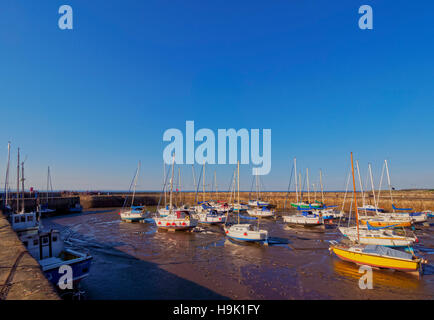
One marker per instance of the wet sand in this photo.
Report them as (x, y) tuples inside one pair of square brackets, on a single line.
[(135, 261)]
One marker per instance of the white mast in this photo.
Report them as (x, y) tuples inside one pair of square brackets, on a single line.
[(171, 184), (22, 185), (296, 182), (7, 175), (372, 187), (238, 182), (18, 182), (307, 177), (360, 183), (203, 183), (322, 187), (390, 186), (164, 183), (135, 183)]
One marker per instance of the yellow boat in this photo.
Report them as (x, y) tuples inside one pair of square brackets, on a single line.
[(384, 258), (378, 222), (376, 256)]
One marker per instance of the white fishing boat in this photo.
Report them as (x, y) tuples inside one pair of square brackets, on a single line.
[(49, 250), (24, 223), (263, 212)]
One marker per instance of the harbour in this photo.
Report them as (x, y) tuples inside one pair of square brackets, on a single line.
[(135, 261)]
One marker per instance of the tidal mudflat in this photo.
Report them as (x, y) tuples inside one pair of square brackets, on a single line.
[(135, 261)]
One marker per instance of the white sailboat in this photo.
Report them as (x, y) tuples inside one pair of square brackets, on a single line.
[(261, 208), (245, 232), (134, 213), (178, 219)]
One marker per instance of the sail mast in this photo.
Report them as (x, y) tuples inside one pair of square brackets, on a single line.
[(203, 183), (171, 184), (296, 181), (135, 184), (7, 175), (164, 183), (372, 186), (238, 182), (390, 186), (360, 183), (22, 185), (18, 182), (308, 191), (322, 187), (355, 198)]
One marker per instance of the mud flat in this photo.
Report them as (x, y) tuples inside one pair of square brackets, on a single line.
[(21, 277), (136, 261)]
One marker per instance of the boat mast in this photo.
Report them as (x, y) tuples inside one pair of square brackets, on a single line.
[(18, 182), (355, 198), (7, 174), (322, 188), (164, 183), (296, 181), (22, 185), (215, 182), (171, 184), (308, 191), (372, 187), (390, 186), (48, 177), (238, 182), (203, 183), (135, 183), (360, 183)]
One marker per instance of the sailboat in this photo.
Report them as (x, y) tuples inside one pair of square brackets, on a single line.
[(375, 255), (244, 232), (43, 208), (390, 219), (261, 208), (305, 218), (303, 204), (258, 202), (177, 219), (134, 213)]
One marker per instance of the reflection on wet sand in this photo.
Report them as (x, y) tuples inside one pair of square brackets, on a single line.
[(135, 261), (386, 278)]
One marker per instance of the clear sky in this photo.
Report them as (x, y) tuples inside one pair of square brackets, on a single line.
[(93, 101)]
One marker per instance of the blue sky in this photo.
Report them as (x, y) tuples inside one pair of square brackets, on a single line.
[(92, 101)]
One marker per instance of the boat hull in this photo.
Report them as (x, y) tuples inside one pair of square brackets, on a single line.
[(376, 261), (395, 224), (80, 270)]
